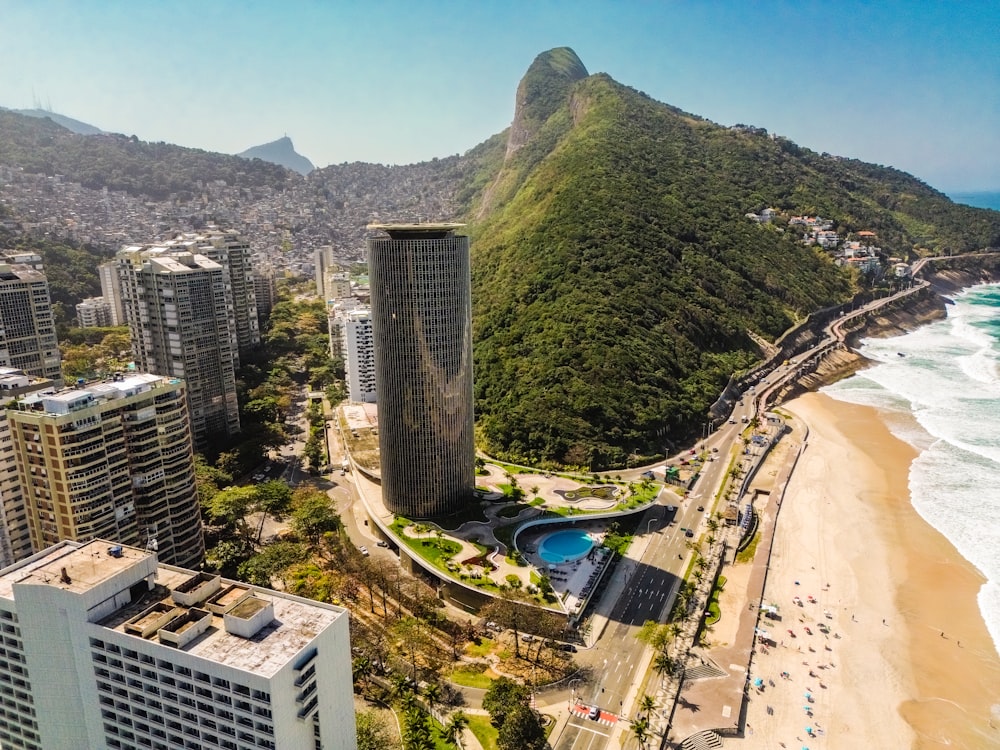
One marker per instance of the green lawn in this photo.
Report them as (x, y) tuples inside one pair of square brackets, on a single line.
[(746, 554), (484, 731), (480, 649), (470, 678)]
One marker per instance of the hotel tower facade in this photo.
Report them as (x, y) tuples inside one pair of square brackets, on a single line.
[(421, 305)]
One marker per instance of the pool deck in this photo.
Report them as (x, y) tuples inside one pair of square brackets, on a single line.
[(571, 581)]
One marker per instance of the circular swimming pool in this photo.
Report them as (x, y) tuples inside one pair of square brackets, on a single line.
[(564, 546)]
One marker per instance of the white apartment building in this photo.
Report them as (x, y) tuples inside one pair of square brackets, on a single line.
[(94, 312), (111, 291), (110, 460), (103, 647), (359, 360)]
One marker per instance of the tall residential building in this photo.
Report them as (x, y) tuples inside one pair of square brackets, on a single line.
[(265, 289), (27, 328), (94, 312), (359, 359), (322, 263), (111, 291), (180, 317), (105, 648), (337, 285), (422, 325), (15, 534), (232, 252), (110, 460)]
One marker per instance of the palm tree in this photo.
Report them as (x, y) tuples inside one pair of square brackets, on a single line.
[(361, 669), (457, 723), (640, 728), (675, 630), (663, 663), (432, 695), (647, 704), (712, 524)]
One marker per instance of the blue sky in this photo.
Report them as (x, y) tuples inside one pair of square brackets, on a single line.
[(914, 85)]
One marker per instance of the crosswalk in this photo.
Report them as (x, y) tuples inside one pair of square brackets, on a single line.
[(583, 712)]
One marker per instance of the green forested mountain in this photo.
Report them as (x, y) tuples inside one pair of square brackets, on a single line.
[(118, 162), (616, 277)]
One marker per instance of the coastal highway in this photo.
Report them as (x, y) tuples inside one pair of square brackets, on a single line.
[(651, 583)]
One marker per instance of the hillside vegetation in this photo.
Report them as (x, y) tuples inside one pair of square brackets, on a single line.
[(616, 276), (118, 162)]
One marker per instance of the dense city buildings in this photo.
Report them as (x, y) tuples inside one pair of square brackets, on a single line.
[(422, 328), (27, 327), (180, 315), (359, 355), (104, 647), (94, 312), (111, 291), (111, 460), (15, 534)]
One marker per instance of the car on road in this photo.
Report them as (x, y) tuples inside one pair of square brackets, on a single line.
[(715, 450), (382, 543), (701, 507), (647, 475), (566, 647), (688, 532), (527, 637), (594, 713), (363, 550), (732, 421)]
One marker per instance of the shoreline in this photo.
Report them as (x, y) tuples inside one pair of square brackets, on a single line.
[(908, 661)]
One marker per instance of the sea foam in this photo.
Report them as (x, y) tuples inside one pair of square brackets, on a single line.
[(939, 390)]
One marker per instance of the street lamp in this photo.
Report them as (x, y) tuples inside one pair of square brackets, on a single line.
[(649, 523)]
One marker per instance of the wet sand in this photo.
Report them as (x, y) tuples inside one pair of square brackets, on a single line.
[(907, 661)]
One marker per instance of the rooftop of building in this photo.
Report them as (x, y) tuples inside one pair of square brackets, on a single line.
[(81, 395), (406, 231), (13, 381), (20, 272), (227, 622)]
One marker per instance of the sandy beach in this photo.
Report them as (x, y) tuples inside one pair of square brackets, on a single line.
[(907, 661)]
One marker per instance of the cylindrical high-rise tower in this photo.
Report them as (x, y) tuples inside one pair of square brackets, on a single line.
[(421, 304)]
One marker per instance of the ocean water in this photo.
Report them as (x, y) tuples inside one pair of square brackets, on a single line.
[(982, 199), (943, 397)]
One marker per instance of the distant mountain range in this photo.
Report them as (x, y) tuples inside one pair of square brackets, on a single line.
[(69, 123), (280, 152), (619, 277)]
